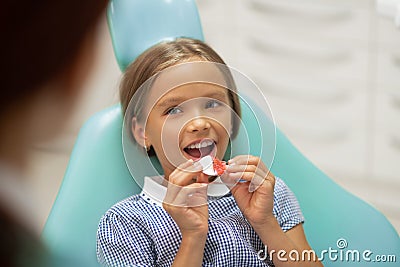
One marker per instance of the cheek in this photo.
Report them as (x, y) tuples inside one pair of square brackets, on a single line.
[(223, 140), (162, 132), (170, 145), (225, 120), (223, 143), (170, 129), (169, 137)]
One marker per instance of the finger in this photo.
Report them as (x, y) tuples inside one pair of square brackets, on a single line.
[(243, 159), (230, 180), (259, 181), (177, 180), (240, 170), (233, 179), (189, 196), (185, 176), (244, 168), (254, 180), (172, 192), (248, 160), (243, 176), (185, 165), (198, 197)]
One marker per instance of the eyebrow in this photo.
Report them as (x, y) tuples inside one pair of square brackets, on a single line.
[(175, 100)]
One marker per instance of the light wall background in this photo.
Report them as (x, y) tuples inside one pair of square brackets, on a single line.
[(330, 70)]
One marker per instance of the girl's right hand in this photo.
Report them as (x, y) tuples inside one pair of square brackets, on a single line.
[(186, 200)]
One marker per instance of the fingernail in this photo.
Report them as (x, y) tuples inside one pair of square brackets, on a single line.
[(230, 166), (252, 187)]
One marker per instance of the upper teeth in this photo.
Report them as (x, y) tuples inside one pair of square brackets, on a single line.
[(201, 144)]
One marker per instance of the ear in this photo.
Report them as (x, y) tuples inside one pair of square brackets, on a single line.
[(138, 133)]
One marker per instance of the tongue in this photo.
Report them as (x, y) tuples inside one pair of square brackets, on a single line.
[(199, 152), (194, 152)]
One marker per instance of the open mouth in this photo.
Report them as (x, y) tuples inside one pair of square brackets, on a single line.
[(199, 149)]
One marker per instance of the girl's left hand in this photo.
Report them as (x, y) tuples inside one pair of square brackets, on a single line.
[(255, 193)]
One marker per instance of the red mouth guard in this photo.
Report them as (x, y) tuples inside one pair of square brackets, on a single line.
[(219, 166), (212, 166)]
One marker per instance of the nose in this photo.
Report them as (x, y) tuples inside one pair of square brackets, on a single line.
[(198, 124)]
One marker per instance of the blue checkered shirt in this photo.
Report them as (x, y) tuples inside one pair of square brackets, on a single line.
[(139, 232)]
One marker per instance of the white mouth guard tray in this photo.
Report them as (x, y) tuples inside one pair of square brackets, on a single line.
[(207, 164)]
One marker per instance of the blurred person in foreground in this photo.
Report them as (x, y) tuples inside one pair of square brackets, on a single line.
[(47, 53)]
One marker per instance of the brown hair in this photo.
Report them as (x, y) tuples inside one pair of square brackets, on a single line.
[(42, 39), (168, 54)]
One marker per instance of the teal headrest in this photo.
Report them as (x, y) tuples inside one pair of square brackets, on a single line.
[(136, 25)]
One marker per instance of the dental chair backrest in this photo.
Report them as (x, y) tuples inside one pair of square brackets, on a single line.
[(97, 176)]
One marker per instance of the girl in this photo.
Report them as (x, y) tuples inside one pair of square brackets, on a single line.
[(173, 222)]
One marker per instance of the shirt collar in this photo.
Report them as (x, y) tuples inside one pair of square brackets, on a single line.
[(154, 191)]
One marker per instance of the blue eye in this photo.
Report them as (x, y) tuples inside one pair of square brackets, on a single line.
[(213, 104), (173, 110)]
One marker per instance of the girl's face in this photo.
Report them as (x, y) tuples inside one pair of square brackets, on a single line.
[(189, 122)]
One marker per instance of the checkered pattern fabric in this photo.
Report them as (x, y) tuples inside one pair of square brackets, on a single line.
[(139, 232)]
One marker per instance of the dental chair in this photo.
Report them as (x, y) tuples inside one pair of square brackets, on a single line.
[(97, 176)]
